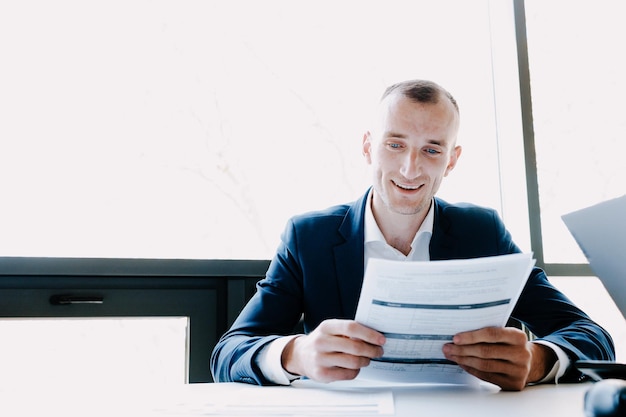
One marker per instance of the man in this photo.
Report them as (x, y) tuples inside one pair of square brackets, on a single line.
[(318, 269)]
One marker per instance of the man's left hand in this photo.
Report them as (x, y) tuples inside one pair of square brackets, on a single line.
[(500, 355)]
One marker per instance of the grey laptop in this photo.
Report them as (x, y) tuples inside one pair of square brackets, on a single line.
[(600, 231)]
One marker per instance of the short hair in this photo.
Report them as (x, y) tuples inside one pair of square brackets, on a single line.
[(420, 91)]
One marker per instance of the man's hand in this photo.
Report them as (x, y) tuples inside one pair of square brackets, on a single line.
[(502, 356), (335, 350)]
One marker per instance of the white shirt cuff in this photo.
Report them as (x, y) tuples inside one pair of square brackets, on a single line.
[(560, 366), (270, 363)]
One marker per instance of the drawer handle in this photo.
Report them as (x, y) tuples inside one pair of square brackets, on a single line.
[(62, 299)]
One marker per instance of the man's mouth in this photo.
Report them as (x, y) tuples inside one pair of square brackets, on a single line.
[(408, 187)]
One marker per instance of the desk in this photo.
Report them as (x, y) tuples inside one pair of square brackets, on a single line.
[(544, 400), (189, 400)]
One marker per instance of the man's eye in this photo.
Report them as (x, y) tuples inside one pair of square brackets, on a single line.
[(432, 151), (394, 145)]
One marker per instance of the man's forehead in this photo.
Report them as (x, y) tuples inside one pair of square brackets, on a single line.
[(391, 122), (391, 105)]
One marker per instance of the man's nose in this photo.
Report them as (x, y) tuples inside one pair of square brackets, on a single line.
[(411, 166)]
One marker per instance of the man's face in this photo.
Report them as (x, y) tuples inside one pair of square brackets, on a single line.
[(412, 149)]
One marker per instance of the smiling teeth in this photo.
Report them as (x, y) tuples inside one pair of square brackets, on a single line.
[(406, 187)]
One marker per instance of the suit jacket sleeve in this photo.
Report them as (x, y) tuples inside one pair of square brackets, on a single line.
[(275, 309), (302, 282), (556, 319)]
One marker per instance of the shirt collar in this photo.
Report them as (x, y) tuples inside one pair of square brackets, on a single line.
[(373, 233)]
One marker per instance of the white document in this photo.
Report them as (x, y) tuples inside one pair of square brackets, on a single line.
[(196, 400), (300, 399), (420, 306)]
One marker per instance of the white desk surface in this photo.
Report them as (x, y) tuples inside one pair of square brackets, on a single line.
[(188, 400)]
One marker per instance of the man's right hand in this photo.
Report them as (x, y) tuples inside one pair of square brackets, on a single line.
[(335, 350)]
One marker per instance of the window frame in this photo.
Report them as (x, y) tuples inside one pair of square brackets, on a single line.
[(530, 158)]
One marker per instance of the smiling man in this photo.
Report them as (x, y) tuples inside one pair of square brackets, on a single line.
[(317, 272)]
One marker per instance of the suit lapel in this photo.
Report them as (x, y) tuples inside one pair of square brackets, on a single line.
[(349, 257), (442, 243)]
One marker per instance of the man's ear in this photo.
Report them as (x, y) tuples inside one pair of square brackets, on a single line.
[(367, 147), (454, 158)]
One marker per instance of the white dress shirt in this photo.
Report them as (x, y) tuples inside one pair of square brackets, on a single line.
[(269, 359)]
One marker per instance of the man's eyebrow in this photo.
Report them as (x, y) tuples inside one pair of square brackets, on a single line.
[(392, 134)]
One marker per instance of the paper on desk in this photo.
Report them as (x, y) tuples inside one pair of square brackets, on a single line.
[(419, 306), (195, 400), (251, 400)]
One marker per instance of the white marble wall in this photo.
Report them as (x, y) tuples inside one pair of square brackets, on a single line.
[(195, 129)]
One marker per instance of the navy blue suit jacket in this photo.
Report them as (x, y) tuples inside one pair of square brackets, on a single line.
[(317, 274)]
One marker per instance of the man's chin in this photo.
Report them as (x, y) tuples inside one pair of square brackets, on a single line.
[(408, 210)]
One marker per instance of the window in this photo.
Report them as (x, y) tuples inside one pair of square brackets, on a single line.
[(580, 130), (161, 129)]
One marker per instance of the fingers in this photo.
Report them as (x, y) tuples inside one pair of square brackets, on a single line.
[(508, 335), (493, 350), (498, 360), (352, 330), (497, 355), (491, 343), (336, 350), (506, 381)]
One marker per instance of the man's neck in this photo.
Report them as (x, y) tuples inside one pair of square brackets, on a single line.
[(399, 230)]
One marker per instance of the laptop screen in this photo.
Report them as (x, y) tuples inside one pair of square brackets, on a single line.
[(600, 231)]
